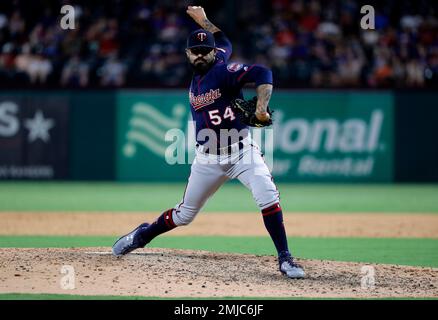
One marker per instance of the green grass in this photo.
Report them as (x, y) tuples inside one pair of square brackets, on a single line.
[(415, 252), (94, 196), (29, 296)]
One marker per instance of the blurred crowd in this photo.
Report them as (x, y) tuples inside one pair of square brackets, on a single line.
[(140, 43)]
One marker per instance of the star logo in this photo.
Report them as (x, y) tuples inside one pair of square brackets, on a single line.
[(39, 127)]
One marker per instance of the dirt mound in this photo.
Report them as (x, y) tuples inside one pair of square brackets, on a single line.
[(183, 273)]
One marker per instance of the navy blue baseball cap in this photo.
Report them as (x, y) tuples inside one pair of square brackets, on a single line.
[(201, 38)]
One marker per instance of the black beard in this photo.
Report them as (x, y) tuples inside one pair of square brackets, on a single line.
[(201, 68)]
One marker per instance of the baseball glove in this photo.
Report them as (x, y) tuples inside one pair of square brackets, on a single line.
[(246, 109)]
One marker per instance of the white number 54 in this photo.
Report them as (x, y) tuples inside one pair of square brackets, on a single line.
[(216, 118)]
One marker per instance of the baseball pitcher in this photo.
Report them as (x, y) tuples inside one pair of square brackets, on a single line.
[(224, 147)]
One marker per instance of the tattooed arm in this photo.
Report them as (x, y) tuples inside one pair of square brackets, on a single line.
[(261, 76), (198, 15), (264, 92)]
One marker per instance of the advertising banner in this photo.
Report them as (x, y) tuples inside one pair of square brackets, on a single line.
[(317, 136), (148, 123), (33, 136), (333, 136)]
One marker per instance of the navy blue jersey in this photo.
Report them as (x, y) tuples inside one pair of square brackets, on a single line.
[(211, 93)]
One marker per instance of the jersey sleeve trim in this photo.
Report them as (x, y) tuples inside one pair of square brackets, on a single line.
[(241, 76)]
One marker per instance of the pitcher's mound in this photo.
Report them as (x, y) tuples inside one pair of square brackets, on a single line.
[(152, 272)]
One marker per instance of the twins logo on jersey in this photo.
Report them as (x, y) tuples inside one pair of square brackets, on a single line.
[(234, 66), (204, 99)]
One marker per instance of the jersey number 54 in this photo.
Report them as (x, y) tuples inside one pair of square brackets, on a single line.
[(216, 119)]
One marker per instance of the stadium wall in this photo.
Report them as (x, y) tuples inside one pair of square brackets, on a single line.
[(416, 131), (320, 136)]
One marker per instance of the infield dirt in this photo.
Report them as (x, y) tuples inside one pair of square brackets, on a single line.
[(183, 273), (224, 224)]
